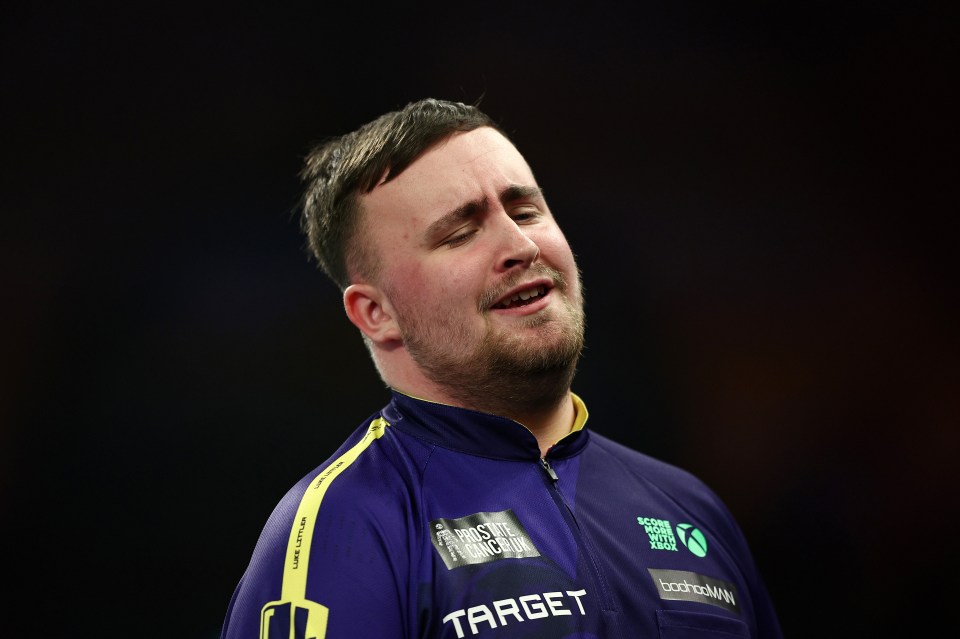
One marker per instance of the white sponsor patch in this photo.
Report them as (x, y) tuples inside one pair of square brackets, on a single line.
[(480, 538), (689, 586)]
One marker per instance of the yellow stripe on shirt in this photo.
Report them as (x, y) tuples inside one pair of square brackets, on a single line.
[(294, 588)]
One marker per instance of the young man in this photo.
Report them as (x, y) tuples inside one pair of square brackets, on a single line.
[(476, 503)]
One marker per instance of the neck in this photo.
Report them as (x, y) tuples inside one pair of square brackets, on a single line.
[(544, 408), (550, 426), (537, 397)]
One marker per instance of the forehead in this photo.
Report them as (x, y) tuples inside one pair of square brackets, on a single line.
[(462, 168)]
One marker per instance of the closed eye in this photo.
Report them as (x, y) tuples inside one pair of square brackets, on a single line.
[(525, 214), (458, 238)]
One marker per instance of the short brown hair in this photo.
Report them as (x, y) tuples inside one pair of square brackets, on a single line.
[(336, 171)]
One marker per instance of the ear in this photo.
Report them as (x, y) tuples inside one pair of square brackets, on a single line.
[(370, 311)]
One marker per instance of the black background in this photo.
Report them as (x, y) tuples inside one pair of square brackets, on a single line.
[(761, 196)]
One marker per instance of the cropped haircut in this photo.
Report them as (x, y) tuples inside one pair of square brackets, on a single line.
[(336, 172)]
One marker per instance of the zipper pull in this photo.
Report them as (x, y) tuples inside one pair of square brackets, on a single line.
[(548, 469)]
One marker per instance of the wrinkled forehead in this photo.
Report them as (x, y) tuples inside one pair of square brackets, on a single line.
[(461, 168)]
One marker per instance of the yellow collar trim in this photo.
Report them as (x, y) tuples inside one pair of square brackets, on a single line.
[(581, 414)]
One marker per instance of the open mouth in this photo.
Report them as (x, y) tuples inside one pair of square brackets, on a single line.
[(522, 298)]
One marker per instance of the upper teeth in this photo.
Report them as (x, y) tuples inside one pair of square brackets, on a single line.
[(525, 295)]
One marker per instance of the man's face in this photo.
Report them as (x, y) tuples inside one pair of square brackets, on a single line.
[(482, 281)]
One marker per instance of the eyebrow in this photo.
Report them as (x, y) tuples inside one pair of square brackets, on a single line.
[(467, 210)]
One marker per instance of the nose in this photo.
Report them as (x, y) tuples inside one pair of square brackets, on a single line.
[(518, 249)]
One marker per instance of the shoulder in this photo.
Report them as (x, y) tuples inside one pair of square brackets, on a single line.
[(676, 483), (331, 526), (366, 476), (655, 470)]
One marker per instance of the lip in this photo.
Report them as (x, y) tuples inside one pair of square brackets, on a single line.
[(538, 304)]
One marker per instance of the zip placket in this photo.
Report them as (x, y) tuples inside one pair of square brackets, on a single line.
[(549, 469), (605, 601)]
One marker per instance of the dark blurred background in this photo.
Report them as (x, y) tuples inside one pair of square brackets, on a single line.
[(762, 196)]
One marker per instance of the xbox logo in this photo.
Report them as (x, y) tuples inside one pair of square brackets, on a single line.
[(693, 539)]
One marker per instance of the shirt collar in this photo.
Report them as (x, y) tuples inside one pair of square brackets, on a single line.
[(477, 433)]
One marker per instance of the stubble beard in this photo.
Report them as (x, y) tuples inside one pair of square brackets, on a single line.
[(506, 373)]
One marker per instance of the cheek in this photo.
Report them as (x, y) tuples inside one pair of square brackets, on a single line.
[(554, 248), (555, 251), (426, 286)]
